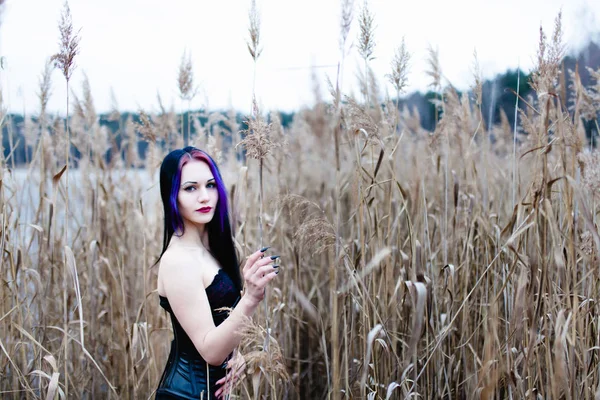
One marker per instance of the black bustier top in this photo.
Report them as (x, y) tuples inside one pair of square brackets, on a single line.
[(187, 375)]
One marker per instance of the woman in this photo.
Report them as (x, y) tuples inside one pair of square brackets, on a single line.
[(199, 274)]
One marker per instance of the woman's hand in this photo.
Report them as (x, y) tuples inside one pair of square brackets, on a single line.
[(237, 368), (258, 272)]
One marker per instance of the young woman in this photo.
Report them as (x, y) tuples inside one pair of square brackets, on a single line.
[(199, 275)]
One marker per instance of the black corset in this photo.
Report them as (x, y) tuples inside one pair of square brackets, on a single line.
[(187, 375)]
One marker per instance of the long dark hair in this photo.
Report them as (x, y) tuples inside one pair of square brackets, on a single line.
[(220, 239)]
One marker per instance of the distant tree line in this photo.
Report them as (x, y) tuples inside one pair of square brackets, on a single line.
[(498, 96)]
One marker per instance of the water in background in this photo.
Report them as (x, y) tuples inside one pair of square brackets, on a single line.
[(22, 190)]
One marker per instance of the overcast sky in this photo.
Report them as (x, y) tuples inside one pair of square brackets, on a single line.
[(134, 47)]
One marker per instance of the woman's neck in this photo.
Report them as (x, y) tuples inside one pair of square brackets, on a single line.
[(193, 236)]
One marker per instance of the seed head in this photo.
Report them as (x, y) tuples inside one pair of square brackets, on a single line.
[(399, 75), (366, 42), (257, 141), (477, 87), (254, 31), (549, 57), (185, 78), (435, 70), (345, 21), (45, 84), (69, 44), (591, 170)]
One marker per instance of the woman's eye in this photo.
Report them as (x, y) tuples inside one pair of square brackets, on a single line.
[(211, 185), (189, 189)]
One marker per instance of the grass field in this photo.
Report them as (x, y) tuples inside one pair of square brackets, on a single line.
[(455, 264)]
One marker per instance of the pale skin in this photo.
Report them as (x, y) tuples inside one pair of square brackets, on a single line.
[(186, 266)]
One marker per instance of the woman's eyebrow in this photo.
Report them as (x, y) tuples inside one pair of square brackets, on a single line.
[(195, 183)]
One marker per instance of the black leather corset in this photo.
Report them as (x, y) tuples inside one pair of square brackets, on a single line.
[(187, 375)]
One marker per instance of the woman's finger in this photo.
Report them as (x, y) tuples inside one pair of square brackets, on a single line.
[(254, 274), (223, 383), (250, 272), (252, 258), (226, 383), (257, 283), (239, 372), (264, 281), (265, 270), (258, 264)]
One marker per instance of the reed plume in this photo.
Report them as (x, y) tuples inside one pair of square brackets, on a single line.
[(45, 87), (64, 60), (253, 43), (257, 138), (400, 63), (187, 90), (346, 17), (366, 46), (399, 76), (590, 166), (366, 38), (549, 56), (185, 78)]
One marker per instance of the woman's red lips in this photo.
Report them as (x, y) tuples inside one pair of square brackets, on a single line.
[(204, 209)]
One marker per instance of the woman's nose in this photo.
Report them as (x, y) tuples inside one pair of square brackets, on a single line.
[(202, 195)]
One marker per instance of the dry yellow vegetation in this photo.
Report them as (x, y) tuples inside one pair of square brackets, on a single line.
[(455, 264)]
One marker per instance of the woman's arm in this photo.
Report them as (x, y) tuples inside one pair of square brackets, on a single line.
[(183, 285)]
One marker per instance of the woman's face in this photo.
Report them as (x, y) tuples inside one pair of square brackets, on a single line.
[(198, 195)]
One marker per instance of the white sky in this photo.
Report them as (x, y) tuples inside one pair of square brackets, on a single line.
[(134, 47)]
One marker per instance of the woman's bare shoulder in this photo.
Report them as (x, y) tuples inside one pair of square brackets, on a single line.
[(179, 256), (194, 263), (176, 264)]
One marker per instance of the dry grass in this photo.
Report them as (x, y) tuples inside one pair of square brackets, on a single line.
[(407, 269)]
